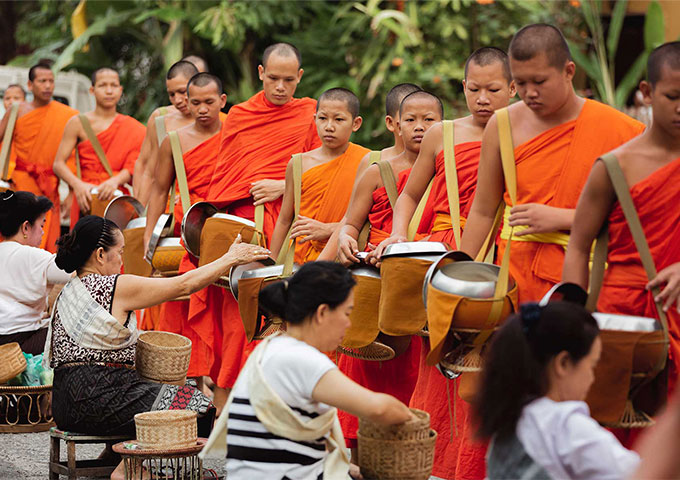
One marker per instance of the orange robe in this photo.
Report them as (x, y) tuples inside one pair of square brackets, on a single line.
[(174, 316), (552, 169), (656, 200), (121, 143), (398, 376), (325, 193), (467, 161), (36, 139), (257, 141)]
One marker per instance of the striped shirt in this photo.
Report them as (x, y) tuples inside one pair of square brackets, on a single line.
[(292, 368)]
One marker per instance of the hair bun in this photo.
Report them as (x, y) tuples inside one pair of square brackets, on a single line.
[(273, 298), (70, 254)]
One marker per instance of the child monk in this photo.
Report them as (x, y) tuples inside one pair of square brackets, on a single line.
[(651, 167), (557, 136), (120, 137), (199, 142), (418, 112), (328, 174), (13, 94)]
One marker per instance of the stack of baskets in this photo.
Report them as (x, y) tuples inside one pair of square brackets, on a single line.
[(166, 429), (12, 362), (163, 357), (397, 452)]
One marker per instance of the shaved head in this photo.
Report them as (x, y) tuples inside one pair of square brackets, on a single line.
[(396, 95), (421, 95), (341, 95), (93, 77), (667, 54), (532, 40), (203, 79), (488, 55), (198, 62), (32, 72), (281, 50), (184, 68)]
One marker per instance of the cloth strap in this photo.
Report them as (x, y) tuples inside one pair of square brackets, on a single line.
[(287, 253), (101, 155), (7, 141), (180, 171), (390, 183), (451, 177), (362, 239), (161, 133)]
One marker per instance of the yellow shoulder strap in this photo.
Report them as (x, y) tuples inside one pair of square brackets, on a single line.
[(180, 171), (287, 253), (362, 239), (7, 141), (161, 131), (451, 176), (101, 155), (413, 225), (390, 183)]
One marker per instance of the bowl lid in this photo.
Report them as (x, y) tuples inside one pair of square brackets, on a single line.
[(407, 249)]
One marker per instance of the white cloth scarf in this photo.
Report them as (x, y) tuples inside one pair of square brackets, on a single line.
[(279, 419), (87, 323)]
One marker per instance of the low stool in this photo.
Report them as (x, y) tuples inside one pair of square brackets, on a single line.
[(72, 468)]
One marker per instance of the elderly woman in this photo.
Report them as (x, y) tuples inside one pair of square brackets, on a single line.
[(26, 272), (282, 412), (94, 333)]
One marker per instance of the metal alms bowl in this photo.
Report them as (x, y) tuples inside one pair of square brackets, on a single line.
[(260, 269), (419, 250), (467, 279), (162, 226), (363, 269), (123, 209), (192, 225)]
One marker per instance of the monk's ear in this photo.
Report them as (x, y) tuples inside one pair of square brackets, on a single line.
[(223, 100), (512, 89), (356, 123), (464, 85), (646, 90), (92, 89), (570, 70), (391, 124), (260, 72), (299, 75)]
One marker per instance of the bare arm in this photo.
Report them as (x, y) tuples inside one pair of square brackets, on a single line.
[(69, 141), (145, 165), (158, 198), (335, 389), (287, 214)]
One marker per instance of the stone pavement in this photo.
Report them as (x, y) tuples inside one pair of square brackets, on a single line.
[(26, 456)]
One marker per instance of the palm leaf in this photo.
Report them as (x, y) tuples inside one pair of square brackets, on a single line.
[(631, 79), (615, 26)]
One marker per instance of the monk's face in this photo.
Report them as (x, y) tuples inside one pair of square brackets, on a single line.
[(280, 78), (664, 97), (334, 123), (107, 89), (13, 95), (205, 104), (417, 116), (177, 93), (42, 85), (486, 90), (543, 87)]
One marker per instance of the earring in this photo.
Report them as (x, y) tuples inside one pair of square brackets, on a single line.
[(25, 236)]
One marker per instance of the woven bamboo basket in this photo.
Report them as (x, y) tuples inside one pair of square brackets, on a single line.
[(12, 361), (166, 429), (397, 452), (163, 357)]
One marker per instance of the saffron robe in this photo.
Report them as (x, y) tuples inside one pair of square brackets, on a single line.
[(325, 193), (36, 139), (256, 142), (174, 316), (467, 162), (121, 143), (552, 169)]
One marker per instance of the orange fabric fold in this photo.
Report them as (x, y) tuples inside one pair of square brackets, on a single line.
[(325, 193), (36, 139), (552, 169)]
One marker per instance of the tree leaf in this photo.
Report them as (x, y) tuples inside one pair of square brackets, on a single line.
[(631, 79), (615, 26), (591, 68), (654, 26)]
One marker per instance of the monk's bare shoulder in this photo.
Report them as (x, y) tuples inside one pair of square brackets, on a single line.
[(24, 108), (371, 176)]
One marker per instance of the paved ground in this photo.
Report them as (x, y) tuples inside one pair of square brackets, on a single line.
[(26, 456)]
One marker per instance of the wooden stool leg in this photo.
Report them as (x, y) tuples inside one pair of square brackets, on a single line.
[(71, 460), (54, 456)]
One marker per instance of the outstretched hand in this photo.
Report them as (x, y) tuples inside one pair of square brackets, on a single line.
[(670, 294), (241, 253)]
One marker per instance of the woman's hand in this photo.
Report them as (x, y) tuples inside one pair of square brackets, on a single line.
[(241, 253), (669, 276)]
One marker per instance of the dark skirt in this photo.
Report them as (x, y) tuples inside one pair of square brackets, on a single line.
[(103, 400)]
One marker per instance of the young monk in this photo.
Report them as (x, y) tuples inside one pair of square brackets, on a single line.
[(39, 127), (175, 116), (199, 63), (199, 143), (328, 174), (418, 112), (120, 137), (13, 94), (250, 170), (557, 136), (651, 167)]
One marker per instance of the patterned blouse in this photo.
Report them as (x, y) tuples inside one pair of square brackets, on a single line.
[(65, 350)]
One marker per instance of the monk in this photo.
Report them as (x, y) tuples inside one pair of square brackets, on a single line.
[(199, 62), (175, 116), (120, 137), (651, 167), (37, 134), (557, 136), (256, 143), (328, 174), (199, 143), (13, 94), (418, 112)]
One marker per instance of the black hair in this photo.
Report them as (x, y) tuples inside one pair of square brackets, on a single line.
[(343, 95), (666, 54), (16, 85), (202, 79), (93, 77), (396, 95), (486, 56), (182, 67), (531, 40), (38, 66), (19, 207), (283, 49), (421, 94), (316, 283), (90, 233), (195, 59), (515, 371)]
